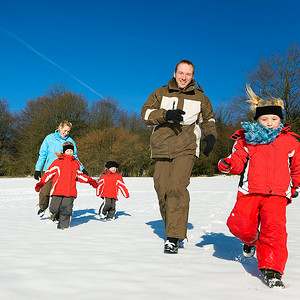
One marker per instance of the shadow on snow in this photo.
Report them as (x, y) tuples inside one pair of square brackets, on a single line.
[(226, 247), (85, 215), (159, 228), (230, 248)]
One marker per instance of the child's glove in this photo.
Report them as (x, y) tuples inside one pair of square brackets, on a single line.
[(295, 192), (224, 165), (93, 183), (38, 186)]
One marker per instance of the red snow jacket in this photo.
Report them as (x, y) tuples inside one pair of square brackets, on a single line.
[(64, 172), (271, 169), (109, 185)]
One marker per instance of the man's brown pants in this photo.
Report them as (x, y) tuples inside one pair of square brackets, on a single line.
[(171, 179)]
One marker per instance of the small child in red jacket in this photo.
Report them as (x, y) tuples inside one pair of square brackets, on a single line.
[(64, 172), (109, 185), (267, 155)]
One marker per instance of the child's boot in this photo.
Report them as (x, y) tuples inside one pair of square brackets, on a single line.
[(272, 278), (248, 251)]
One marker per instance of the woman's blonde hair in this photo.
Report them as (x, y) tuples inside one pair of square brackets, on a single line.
[(65, 123)]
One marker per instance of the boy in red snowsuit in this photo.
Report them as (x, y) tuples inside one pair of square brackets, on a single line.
[(64, 172), (109, 185), (267, 155)]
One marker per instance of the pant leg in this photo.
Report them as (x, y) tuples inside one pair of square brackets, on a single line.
[(272, 241), (65, 212), (243, 221), (55, 204), (178, 197), (100, 212), (106, 206), (160, 177), (112, 211), (44, 195), (171, 179)]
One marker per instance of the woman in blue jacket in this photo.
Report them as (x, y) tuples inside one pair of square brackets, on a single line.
[(52, 144)]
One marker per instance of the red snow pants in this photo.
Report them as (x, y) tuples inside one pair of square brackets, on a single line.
[(260, 220)]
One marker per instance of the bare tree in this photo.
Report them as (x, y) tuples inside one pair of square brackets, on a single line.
[(104, 113), (6, 141), (113, 143)]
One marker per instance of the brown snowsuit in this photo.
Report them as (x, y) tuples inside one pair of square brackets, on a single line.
[(174, 147)]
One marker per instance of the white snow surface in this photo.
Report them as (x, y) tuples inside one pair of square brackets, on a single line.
[(124, 259)]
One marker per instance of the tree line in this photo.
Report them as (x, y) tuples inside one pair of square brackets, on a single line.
[(104, 131)]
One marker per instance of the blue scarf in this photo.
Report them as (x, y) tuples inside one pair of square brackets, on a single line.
[(257, 134)]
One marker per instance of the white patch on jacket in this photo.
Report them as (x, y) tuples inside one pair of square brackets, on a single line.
[(192, 109), (197, 132), (148, 112), (169, 103)]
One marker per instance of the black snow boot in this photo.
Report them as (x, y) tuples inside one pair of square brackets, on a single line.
[(248, 251), (171, 245), (272, 278), (41, 213)]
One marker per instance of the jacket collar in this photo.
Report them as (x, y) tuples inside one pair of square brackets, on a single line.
[(174, 87), (58, 136), (238, 134), (287, 129), (109, 172), (65, 156)]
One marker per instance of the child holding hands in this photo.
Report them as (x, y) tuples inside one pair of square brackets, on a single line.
[(267, 155), (109, 185), (64, 172)]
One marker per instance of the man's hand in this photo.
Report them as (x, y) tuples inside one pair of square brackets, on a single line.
[(175, 115), (210, 143)]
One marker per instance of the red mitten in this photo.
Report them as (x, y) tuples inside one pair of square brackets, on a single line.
[(38, 186), (93, 183), (224, 165)]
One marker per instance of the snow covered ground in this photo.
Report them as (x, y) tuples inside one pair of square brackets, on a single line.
[(124, 259)]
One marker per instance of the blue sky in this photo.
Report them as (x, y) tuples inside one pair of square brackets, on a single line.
[(126, 49)]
